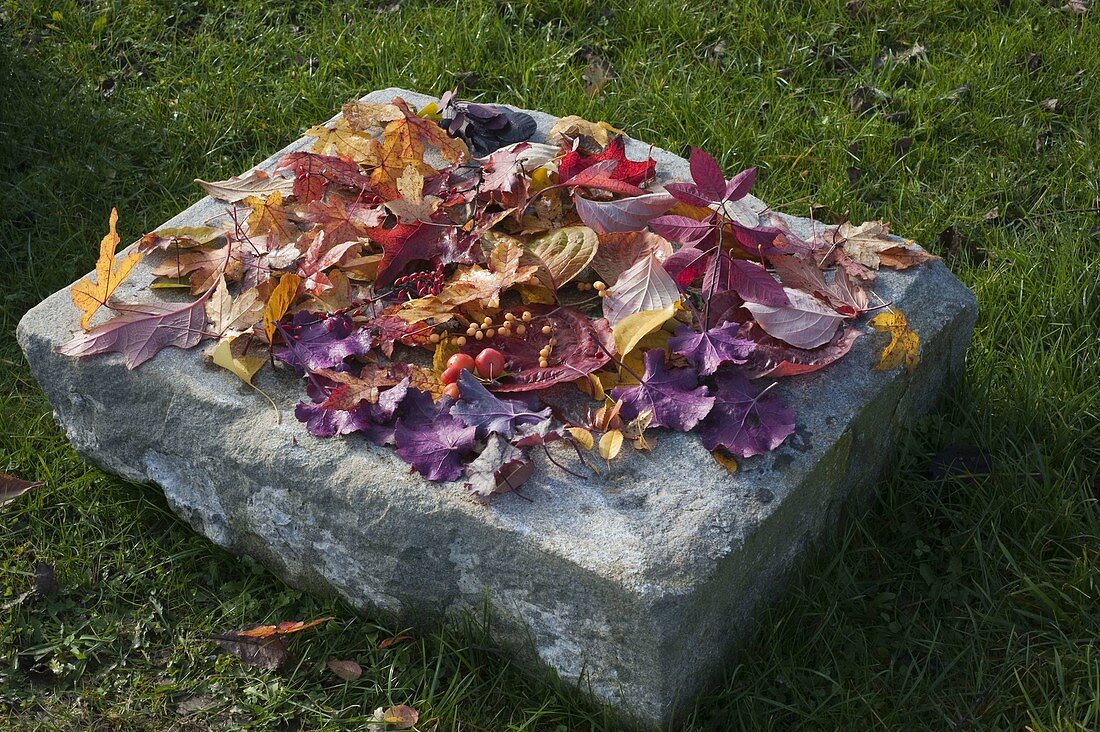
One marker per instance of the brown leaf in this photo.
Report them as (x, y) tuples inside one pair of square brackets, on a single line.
[(12, 487), (286, 627), (266, 653), (401, 717), (393, 641), (346, 670)]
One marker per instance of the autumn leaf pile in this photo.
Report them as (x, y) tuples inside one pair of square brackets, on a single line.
[(404, 240)]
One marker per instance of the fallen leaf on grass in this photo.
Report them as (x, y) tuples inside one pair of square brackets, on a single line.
[(346, 670), (263, 646), (287, 627), (401, 716), (12, 487), (393, 641), (90, 295), (904, 345)]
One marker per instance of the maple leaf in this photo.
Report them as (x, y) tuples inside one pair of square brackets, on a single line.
[(870, 245), (314, 173), (402, 245), (501, 467), (904, 345), (413, 205), (142, 332), (506, 173), (269, 216), (476, 284), (621, 168), (88, 295), (227, 313), (674, 397), (405, 140), (354, 390), (713, 347), (478, 407), (345, 141), (435, 448), (375, 421), (314, 341), (745, 420), (253, 183), (343, 220)]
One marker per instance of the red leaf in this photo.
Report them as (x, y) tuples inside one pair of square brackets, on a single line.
[(629, 171)]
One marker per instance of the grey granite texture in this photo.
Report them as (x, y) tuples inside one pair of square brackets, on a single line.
[(641, 581)]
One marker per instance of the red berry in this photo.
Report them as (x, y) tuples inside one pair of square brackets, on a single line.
[(451, 390), (461, 361), (450, 375), (489, 363)]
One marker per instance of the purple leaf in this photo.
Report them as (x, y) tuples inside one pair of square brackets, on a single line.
[(374, 421), (315, 341), (686, 265), (623, 214), (750, 281), (479, 408), (499, 468), (712, 348), (774, 358), (688, 193), (707, 175), (674, 397), (738, 186), (140, 335), (681, 229), (745, 420), (435, 448), (806, 322)]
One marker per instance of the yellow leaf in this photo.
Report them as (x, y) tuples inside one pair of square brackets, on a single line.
[(425, 380), (269, 216), (611, 444), (87, 295), (281, 299), (583, 437), (725, 459), (243, 367), (633, 328), (904, 345), (443, 351), (573, 126)]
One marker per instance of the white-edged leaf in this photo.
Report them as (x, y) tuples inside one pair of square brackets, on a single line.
[(252, 183), (805, 323), (619, 252), (623, 214), (644, 286)]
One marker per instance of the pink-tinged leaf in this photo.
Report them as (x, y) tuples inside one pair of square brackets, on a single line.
[(773, 358), (141, 334), (687, 265), (645, 286), (806, 322), (602, 177), (619, 252), (688, 193), (674, 397), (712, 348), (707, 175), (621, 215), (803, 274), (750, 281), (739, 185), (681, 229), (745, 420)]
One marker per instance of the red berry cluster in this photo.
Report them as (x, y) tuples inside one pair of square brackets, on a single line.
[(421, 283), (489, 364)]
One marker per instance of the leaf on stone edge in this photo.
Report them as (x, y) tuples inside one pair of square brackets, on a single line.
[(611, 444), (775, 358), (12, 487), (806, 322), (622, 214), (904, 345), (673, 396), (435, 448), (631, 329), (565, 252), (582, 436), (88, 295), (643, 287), (227, 313), (243, 366), (478, 407), (870, 245), (279, 301), (314, 341), (253, 183), (500, 468), (745, 420), (142, 333), (270, 216), (568, 128)]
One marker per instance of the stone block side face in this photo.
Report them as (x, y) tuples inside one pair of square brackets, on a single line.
[(641, 580)]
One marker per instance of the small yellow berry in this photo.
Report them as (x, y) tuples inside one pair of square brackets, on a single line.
[(527, 316), (553, 341), (487, 322), (479, 335), (543, 363), (460, 341), (490, 333), (505, 332), (434, 338), (547, 330), (508, 317), (521, 329), (599, 285)]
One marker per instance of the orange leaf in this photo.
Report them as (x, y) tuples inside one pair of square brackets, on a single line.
[(286, 627), (281, 298), (87, 295)]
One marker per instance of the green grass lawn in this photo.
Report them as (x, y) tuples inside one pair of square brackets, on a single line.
[(950, 602)]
